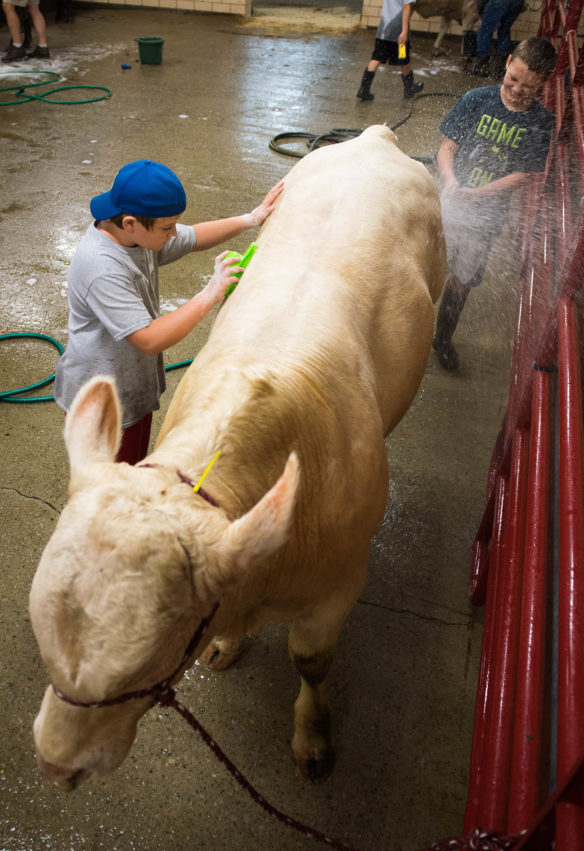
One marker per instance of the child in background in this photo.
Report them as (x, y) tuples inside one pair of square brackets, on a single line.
[(16, 49), (392, 45)]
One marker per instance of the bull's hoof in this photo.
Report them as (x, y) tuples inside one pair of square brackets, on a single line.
[(317, 767), (221, 653)]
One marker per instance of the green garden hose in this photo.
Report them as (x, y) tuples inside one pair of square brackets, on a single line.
[(26, 97), (16, 395)]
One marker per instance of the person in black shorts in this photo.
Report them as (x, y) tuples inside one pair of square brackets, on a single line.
[(392, 45)]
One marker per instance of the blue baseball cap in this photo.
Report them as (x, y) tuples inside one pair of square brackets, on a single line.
[(142, 188)]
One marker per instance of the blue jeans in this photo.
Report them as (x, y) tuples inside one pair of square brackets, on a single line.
[(498, 15)]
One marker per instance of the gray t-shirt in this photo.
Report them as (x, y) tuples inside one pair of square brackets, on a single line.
[(390, 23), (113, 292)]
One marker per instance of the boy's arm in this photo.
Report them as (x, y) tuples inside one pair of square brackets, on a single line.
[(406, 15), (445, 161), (502, 184), (165, 331), (213, 233)]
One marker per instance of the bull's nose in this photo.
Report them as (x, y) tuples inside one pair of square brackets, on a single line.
[(62, 776)]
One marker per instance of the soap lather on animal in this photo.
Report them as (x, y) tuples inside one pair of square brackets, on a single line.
[(312, 360)]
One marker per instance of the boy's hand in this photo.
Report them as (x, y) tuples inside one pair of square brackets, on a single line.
[(450, 186), (222, 277), (258, 216), (466, 194), (462, 193)]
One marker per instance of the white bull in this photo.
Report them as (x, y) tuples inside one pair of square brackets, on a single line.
[(313, 359), (464, 12)]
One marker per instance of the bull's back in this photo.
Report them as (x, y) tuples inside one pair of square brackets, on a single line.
[(347, 269), (323, 344)]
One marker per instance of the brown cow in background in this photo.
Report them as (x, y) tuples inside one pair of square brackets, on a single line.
[(464, 12)]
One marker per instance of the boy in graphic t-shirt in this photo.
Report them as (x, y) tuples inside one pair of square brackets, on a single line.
[(495, 138)]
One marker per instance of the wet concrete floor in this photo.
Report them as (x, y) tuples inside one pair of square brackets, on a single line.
[(403, 684)]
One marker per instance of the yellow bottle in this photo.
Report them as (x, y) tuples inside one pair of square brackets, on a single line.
[(401, 51)]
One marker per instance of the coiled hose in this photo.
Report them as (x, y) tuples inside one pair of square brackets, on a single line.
[(26, 97), (17, 395), (341, 134)]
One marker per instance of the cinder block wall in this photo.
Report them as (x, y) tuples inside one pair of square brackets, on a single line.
[(526, 24), (224, 7)]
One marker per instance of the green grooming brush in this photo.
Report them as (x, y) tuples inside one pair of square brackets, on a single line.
[(243, 260)]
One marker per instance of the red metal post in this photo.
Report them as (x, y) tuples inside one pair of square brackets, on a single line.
[(542, 833), (474, 803), (570, 815), (499, 730), (528, 736)]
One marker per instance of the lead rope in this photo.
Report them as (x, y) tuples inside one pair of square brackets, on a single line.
[(478, 840), (168, 698), (165, 695)]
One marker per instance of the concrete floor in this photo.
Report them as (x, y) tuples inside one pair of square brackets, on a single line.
[(403, 684)]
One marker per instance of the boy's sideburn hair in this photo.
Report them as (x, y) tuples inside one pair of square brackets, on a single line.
[(145, 221), (539, 55)]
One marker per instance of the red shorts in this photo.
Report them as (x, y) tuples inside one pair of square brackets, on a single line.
[(135, 440)]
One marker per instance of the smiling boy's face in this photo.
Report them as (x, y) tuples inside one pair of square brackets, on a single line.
[(153, 238), (520, 85)]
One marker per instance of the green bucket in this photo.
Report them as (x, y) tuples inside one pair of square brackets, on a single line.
[(150, 48)]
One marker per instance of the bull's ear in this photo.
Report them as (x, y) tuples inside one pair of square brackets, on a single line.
[(93, 425), (265, 527)]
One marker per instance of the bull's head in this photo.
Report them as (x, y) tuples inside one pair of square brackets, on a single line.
[(135, 562)]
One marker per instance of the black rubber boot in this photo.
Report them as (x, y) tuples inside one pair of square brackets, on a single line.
[(469, 43), (448, 315), (39, 53), (498, 65), (411, 88), (481, 67), (364, 92), (25, 24), (14, 54)]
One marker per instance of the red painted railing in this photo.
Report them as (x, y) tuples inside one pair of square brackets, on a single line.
[(527, 762)]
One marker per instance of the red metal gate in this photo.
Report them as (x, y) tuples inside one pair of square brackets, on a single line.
[(527, 764)]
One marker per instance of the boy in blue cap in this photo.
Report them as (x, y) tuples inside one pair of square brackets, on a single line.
[(115, 326)]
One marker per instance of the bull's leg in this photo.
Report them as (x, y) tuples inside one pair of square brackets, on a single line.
[(312, 749), (311, 643), (437, 46), (220, 653)]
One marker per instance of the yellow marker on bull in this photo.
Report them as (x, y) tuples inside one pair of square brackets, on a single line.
[(207, 468)]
